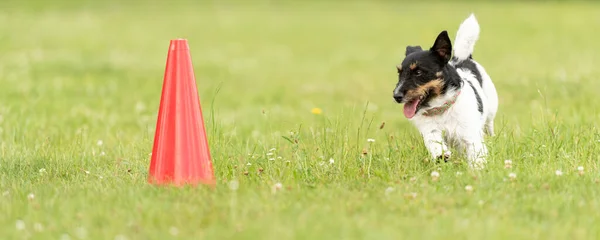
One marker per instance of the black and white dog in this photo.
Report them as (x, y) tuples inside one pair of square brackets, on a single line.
[(451, 100)]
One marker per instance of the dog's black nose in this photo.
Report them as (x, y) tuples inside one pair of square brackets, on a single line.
[(398, 97)]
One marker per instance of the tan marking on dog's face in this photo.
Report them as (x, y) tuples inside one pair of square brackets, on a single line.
[(439, 74), (433, 87), (413, 66)]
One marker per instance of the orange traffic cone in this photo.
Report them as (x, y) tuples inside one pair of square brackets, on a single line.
[(180, 154)]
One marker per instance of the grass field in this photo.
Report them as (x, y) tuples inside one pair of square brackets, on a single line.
[(80, 85)]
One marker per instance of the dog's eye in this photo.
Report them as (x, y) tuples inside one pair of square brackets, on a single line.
[(419, 72)]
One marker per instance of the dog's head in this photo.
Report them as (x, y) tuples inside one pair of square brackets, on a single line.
[(421, 75)]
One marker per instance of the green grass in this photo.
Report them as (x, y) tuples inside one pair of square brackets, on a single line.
[(72, 74)]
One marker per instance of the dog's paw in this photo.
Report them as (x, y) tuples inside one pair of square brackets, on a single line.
[(478, 163), (444, 157)]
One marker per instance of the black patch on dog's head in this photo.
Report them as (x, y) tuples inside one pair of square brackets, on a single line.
[(425, 74), (412, 49)]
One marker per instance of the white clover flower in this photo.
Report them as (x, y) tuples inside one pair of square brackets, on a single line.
[(100, 143), (276, 187), (38, 227), (20, 225), (558, 173), (435, 175), (389, 190), (331, 161), (234, 185), (174, 231), (507, 163), (512, 176), (371, 140), (30, 196), (469, 188)]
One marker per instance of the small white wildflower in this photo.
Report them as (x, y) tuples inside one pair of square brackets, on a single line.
[(102, 153), (120, 237), (100, 177), (234, 185), (38, 227), (276, 187), (459, 173), (469, 188), (87, 172), (174, 231), (81, 233), (507, 163), (42, 170), (412, 195), (272, 149), (370, 140), (558, 173), (30, 196), (20, 225), (139, 107), (249, 164), (271, 159), (435, 175), (580, 169), (100, 143), (331, 161), (279, 158), (270, 154), (389, 190), (512, 176)]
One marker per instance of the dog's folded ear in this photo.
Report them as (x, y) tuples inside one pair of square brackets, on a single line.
[(412, 49), (442, 46)]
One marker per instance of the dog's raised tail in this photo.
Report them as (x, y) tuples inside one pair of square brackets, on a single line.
[(467, 35)]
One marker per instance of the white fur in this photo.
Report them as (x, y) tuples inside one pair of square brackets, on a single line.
[(462, 125), (467, 35)]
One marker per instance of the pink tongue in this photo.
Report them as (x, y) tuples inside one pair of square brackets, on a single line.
[(410, 108)]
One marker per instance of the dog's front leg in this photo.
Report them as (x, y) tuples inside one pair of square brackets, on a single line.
[(435, 144), (476, 151)]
